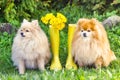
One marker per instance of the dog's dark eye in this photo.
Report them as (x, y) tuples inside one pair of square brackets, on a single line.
[(27, 30), (88, 30), (21, 30), (81, 30)]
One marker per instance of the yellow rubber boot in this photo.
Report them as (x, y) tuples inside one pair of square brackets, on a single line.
[(54, 39), (70, 63)]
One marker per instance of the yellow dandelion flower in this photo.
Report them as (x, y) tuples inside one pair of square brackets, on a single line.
[(50, 16), (44, 20), (53, 21), (61, 26), (62, 17), (57, 22)]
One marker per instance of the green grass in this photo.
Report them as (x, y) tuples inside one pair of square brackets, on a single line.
[(112, 72), (8, 71), (80, 74)]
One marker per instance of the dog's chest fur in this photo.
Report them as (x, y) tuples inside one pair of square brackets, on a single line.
[(86, 52), (29, 51)]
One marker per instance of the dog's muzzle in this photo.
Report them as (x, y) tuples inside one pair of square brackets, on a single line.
[(22, 34)]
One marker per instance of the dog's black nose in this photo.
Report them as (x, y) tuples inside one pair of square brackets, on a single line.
[(84, 34), (22, 34)]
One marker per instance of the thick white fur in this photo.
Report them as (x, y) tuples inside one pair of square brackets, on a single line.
[(31, 51)]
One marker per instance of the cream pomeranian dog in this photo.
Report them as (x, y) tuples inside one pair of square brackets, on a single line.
[(30, 47), (90, 45)]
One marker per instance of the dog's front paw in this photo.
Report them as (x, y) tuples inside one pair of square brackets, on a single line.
[(41, 67), (21, 67), (41, 64), (21, 70)]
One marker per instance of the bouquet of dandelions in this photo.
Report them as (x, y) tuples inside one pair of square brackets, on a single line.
[(56, 23)]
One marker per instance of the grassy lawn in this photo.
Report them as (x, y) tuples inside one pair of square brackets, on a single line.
[(80, 74), (8, 72), (112, 72)]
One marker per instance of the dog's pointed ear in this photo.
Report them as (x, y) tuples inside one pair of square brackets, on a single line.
[(93, 21), (35, 22), (24, 20), (80, 21)]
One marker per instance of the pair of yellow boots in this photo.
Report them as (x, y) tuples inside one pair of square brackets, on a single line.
[(54, 38)]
